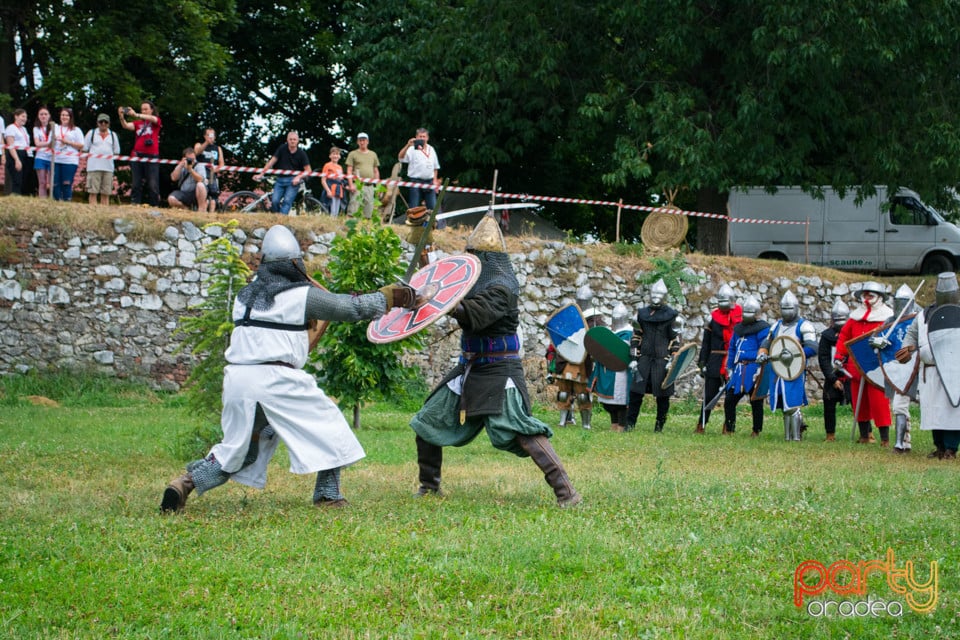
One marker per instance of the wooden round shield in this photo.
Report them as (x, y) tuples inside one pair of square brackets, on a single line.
[(450, 277), (787, 358), (664, 230)]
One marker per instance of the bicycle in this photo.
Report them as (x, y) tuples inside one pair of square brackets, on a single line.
[(252, 202)]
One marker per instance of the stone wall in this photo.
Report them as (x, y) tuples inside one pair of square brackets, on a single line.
[(81, 301)]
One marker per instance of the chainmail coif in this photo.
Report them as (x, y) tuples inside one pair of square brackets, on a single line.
[(496, 269), (273, 278)]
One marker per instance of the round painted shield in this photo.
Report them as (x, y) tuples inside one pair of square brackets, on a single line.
[(787, 358), (450, 277)]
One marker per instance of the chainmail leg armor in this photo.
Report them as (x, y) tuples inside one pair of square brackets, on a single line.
[(328, 485), (207, 474)]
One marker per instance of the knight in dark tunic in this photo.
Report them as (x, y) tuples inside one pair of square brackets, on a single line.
[(486, 389), (655, 341)]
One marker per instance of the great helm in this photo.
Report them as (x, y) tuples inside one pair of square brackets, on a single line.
[(789, 307), (751, 307), (870, 287), (278, 244), (658, 293), (840, 312), (947, 291), (725, 297)]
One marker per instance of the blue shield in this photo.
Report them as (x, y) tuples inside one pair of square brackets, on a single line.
[(567, 328)]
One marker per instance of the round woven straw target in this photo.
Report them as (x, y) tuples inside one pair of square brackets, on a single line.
[(664, 230)]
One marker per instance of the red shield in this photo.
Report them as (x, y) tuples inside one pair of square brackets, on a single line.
[(451, 276)]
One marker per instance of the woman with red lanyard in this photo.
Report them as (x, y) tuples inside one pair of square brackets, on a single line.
[(43, 141), (146, 125), (67, 145), (15, 135)]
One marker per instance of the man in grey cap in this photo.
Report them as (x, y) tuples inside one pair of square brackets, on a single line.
[(363, 163), (937, 412)]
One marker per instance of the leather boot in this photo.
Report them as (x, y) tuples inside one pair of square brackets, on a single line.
[(700, 429), (175, 495), (544, 456), (658, 426), (430, 460)]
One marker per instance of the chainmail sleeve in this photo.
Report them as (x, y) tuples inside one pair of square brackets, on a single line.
[(343, 307)]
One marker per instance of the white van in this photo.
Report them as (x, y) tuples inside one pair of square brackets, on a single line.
[(906, 236)]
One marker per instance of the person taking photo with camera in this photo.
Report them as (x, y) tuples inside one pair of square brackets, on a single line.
[(423, 165), (146, 126), (191, 178)]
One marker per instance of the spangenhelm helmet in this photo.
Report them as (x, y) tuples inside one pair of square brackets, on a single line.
[(751, 308), (725, 297), (789, 307), (658, 293), (279, 243), (840, 312), (947, 292), (486, 236)]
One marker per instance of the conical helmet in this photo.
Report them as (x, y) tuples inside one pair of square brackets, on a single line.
[(486, 236), (903, 300), (279, 243), (840, 312), (725, 297), (658, 293), (789, 307), (585, 301), (947, 291), (620, 317), (751, 308)]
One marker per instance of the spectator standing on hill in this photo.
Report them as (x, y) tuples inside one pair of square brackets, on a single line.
[(146, 126), (362, 162), (288, 157), (16, 135), (211, 154), (101, 142), (43, 140), (332, 180), (67, 145), (423, 166)]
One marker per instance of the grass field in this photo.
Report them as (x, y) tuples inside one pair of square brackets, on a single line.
[(679, 536)]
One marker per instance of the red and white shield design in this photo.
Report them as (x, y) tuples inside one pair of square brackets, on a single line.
[(452, 277)]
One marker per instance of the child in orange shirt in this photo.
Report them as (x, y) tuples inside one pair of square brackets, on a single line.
[(332, 181)]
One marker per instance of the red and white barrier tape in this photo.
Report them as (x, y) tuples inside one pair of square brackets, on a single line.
[(404, 183)]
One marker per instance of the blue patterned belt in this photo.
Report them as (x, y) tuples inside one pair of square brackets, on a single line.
[(487, 350)]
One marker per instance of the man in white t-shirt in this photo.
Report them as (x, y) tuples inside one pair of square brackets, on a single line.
[(423, 166), (101, 142)]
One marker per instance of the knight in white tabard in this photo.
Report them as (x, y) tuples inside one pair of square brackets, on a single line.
[(938, 413), (265, 386)]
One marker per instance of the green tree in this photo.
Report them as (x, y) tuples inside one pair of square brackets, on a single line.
[(771, 93), (207, 334), (346, 365)]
